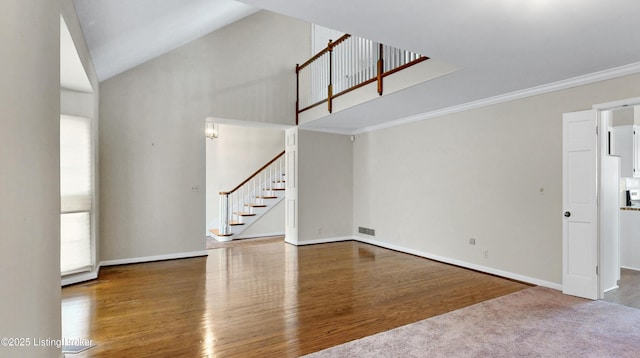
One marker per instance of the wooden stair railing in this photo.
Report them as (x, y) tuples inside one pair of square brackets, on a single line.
[(345, 65), (250, 194)]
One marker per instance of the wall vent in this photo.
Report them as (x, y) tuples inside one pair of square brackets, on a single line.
[(366, 231)]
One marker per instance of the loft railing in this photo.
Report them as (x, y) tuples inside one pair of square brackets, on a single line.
[(345, 65), (251, 193)]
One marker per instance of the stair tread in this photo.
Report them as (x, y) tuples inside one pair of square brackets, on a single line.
[(267, 197), (256, 205), (241, 213), (235, 223), (274, 189), (217, 232), (279, 181)]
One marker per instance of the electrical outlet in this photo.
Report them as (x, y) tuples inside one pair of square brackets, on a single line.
[(319, 230), (472, 241), (195, 188), (486, 254)]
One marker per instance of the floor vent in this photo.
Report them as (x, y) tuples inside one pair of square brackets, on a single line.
[(366, 231)]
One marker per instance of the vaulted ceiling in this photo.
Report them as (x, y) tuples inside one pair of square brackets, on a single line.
[(122, 34), (501, 46)]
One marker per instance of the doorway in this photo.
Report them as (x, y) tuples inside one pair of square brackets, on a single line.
[(623, 143), (237, 151), (593, 255)]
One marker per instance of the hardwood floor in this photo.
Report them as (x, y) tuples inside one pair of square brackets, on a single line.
[(214, 244), (629, 292), (268, 300)]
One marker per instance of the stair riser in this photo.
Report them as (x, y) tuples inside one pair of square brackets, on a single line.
[(257, 211)]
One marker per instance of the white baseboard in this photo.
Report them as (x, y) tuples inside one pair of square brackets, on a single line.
[(321, 241), (92, 275), (612, 288), (630, 268), (464, 264), (136, 260), (259, 235), (80, 277)]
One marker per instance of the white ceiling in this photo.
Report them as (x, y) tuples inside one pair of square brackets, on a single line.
[(501, 46), (122, 34)]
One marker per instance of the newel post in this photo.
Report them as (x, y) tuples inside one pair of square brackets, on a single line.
[(330, 88), (297, 92), (224, 213), (380, 69)]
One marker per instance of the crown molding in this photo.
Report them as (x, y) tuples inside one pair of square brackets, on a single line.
[(529, 92)]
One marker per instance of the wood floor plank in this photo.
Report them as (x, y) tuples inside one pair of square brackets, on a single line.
[(628, 293), (271, 299)]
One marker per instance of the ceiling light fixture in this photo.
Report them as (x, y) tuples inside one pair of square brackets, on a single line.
[(210, 129)]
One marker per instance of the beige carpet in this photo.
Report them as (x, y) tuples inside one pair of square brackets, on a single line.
[(536, 322)]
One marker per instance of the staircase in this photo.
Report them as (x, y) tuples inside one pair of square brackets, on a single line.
[(248, 201)]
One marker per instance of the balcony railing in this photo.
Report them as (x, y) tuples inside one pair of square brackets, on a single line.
[(345, 65)]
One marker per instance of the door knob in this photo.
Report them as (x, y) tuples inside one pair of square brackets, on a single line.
[(567, 214)]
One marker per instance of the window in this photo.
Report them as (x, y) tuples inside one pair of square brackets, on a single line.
[(76, 190)]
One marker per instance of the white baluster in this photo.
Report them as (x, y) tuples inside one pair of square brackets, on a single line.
[(396, 56), (359, 61), (354, 59), (369, 62), (373, 58), (325, 74), (236, 201), (341, 67), (349, 61), (354, 56)]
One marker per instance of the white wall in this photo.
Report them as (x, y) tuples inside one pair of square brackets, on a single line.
[(232, 157), (622, 116), (75, 103), (431, 185), (320, 37), (269, 224), (325, 186), (30, 177), (152, 128)]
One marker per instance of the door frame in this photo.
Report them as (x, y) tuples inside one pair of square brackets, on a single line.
[(600, 108)]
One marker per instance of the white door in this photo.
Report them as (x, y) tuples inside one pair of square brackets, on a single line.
[(291, 187), (579, 201)]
